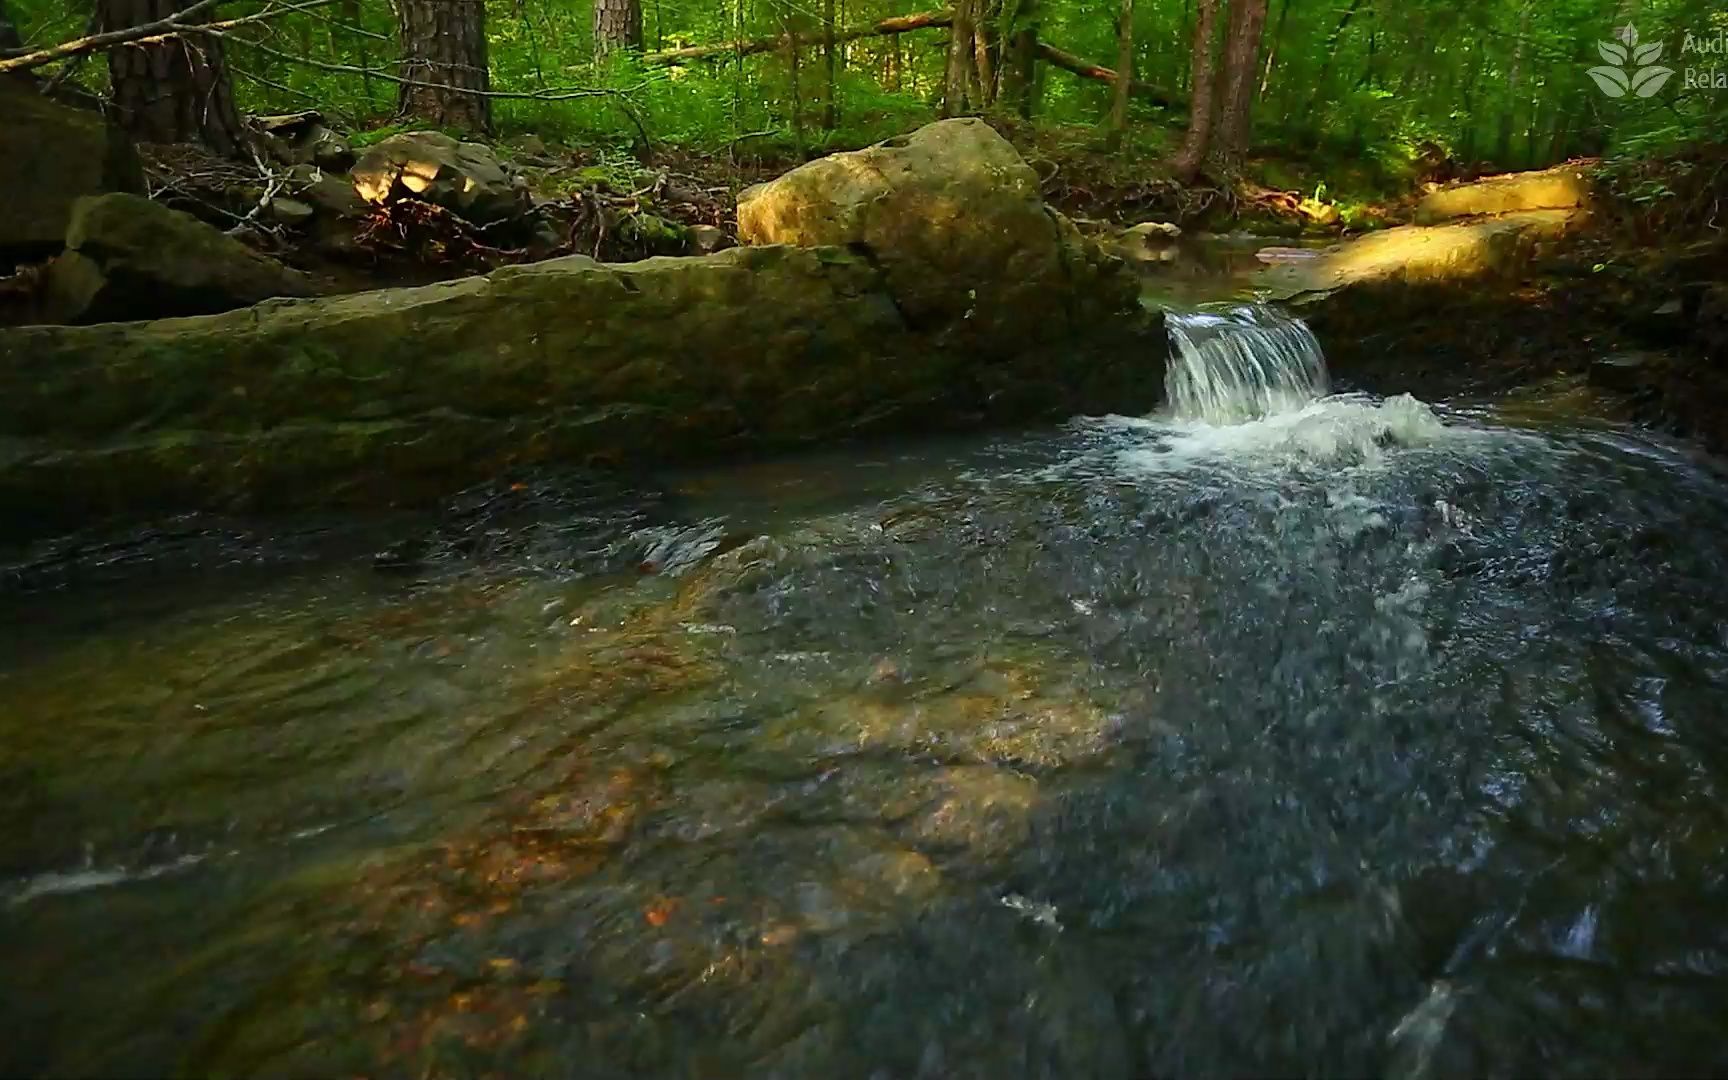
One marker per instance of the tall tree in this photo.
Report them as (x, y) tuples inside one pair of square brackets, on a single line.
[(445, 77), (1124, 74), (175, 90), (1019, 68), (1202, 94), (830, 58), (617, 25), (1241, 64)]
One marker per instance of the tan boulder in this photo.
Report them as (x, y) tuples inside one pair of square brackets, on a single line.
[(462, 177), (955, 219), (1559, 188)]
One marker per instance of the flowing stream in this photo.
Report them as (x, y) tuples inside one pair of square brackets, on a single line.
[(1288, 733)]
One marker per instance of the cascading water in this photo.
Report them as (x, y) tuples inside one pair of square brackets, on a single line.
[(1284, 733), (1241, 364)]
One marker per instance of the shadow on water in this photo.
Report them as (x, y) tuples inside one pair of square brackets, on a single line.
[(1348, 738)]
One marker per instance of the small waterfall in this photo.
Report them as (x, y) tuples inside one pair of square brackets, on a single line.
[(1241, 364)]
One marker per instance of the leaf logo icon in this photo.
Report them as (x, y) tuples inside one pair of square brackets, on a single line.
[(1649, 80), (1612, 80), (1631, 68)]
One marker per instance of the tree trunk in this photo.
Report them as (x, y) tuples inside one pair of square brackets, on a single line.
[(961, 62), (1124, 75), (1272, 47), (443, 58), (1202, 96), (1241, 63), (984, 51), (1020, 55), (830, 54), (617, 25), (787, 19), (171, 91)]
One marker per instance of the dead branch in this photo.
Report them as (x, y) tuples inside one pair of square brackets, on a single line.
[(899, 24), (1068, 62), (554, 93), (175, 25)]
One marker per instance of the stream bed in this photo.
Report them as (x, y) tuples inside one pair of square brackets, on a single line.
[(1293, 733)]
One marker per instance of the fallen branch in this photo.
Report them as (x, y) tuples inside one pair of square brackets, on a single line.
[(175, 25), (1067, 61), (555, 93), (899, 24)]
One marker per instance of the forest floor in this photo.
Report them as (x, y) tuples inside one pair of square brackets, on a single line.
[(620, 206)]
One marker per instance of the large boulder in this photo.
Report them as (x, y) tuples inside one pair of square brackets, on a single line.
[(130, 258), (403, 394), (953, 216), (463, 177), (50, 156), (1560, 188), (956, 300)]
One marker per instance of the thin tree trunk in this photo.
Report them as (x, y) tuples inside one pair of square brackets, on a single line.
[(786, 18), (1017, 71), (350, 10), (617, 25), (984, 52), (830, 55), (1272, 49), (171, 91), (1241, 61), (959, 78), (444, 45), (1124, 75), (1201, 101)]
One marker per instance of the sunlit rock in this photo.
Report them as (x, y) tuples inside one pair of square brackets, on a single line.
[(463, 177), (955, 219), (1561, 188)]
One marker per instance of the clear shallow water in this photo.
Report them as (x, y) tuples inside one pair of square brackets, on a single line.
[(1356, 739)]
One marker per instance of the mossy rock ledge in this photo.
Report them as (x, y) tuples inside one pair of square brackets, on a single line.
[(402, 395)]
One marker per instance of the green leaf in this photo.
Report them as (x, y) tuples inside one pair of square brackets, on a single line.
[(1612, 80), (1650, 79), (1647, 54), (1611, 52)]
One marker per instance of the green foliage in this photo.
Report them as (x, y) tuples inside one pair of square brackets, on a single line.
[(1372, 94)]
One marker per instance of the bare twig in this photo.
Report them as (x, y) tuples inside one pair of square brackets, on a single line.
[(556, 93), (175, 25), (272, 185)]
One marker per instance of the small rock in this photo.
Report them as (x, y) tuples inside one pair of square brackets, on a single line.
[(290, 212), (707, 239), (531, 144)]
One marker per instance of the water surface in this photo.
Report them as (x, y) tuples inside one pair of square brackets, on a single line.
[(1346, 737)]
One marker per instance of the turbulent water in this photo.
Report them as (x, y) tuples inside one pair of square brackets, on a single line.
[(1285, 733)]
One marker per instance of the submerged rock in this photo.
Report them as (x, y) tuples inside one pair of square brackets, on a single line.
[(51, 155), (129, 258)]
